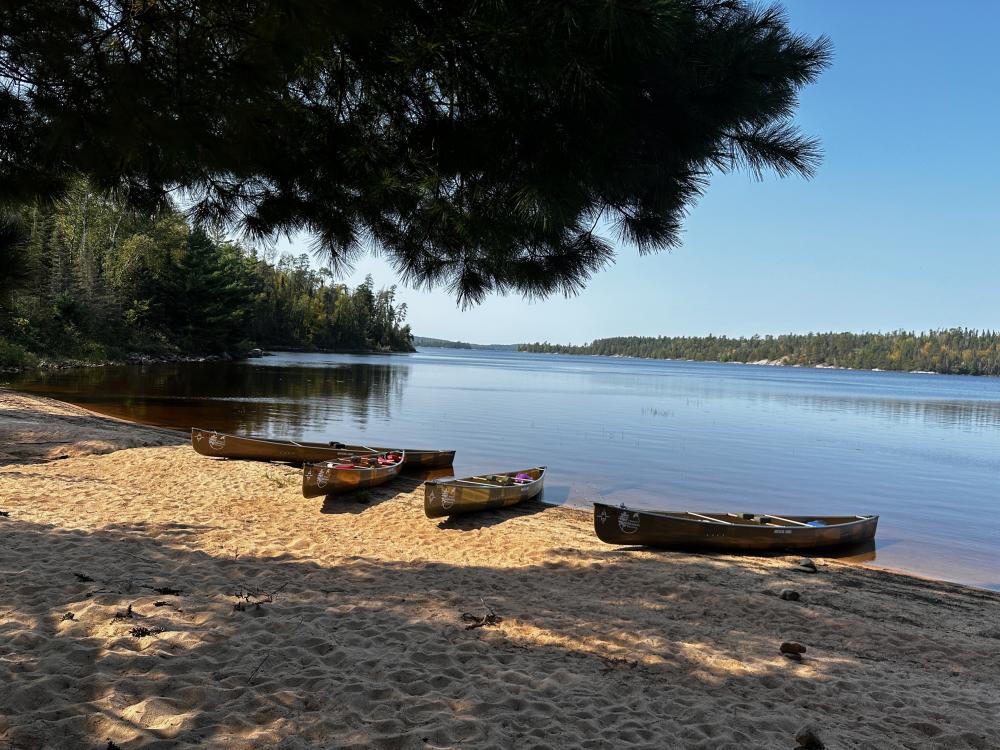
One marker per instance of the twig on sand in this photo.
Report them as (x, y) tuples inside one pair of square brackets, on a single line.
[(126, 615), (83, 578), (247, 596), (257, 669), (165, 590), (610, 663), (489, 619)]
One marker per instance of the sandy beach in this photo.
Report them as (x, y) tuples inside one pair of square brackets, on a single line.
[(154, 598)]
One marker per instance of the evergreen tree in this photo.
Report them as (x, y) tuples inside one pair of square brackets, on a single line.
[(90, 278), (482, 146)]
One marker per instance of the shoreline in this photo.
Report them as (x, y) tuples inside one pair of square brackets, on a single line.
[(138, 358), (572, 504), (764, 363), (152, 597), (147, 435), (135, 358)]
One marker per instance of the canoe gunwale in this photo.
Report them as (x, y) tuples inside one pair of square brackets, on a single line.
[(667, 515)]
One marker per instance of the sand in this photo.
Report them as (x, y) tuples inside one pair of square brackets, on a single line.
[(349, 630), (42, 429)]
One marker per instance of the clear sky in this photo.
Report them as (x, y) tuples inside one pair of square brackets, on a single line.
[(897, 230)]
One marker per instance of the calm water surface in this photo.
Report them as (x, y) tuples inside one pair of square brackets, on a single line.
[(923, 451)]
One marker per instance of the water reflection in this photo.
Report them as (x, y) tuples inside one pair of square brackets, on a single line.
[(266, 400), (965, 415), (969, 412), (859, 553)]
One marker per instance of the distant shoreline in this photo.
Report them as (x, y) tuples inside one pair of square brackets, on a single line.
[(428, 341), (951, 351), (758, 363)]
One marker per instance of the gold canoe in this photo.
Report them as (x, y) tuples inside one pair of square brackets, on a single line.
[(223, 445), (350, 473), (448, 497), (732, 532)]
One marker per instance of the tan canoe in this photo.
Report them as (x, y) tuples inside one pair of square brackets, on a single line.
[(223, 445), (448, 497), (350, 473), (733, 532)]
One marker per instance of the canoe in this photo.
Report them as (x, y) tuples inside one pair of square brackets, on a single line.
[(734, 532), (449, 497), (223, 445), (350, 472)]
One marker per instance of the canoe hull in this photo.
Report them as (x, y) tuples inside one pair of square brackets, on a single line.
[(450, 497), (222, 445), (635, 527), (320, 479)]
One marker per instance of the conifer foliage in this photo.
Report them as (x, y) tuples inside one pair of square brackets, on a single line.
[(483, 146), (91, 278)]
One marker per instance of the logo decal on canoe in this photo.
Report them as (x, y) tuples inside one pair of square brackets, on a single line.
[(603, 515), (198, 436), (217, 442), (447, 497), (628, 522), (321, 478)]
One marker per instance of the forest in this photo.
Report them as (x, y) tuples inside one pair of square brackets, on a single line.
[(958, 351), (92, 279)]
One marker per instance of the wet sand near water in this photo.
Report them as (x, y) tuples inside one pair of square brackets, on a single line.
[(160, 599)]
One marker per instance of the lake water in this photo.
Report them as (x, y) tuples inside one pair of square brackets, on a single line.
[(923, 451)]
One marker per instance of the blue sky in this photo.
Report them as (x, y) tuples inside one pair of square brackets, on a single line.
[(897, 230)]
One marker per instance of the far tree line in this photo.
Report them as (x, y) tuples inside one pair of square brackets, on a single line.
[(94, 279), (960, 351)]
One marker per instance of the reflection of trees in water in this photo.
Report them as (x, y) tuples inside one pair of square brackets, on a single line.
[(962, 414), (231, 396), (965, 414), (299, 400)]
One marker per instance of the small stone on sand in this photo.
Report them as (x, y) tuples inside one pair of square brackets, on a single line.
[(808, 739), (792, 647), (805, 565), (789, 595)]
